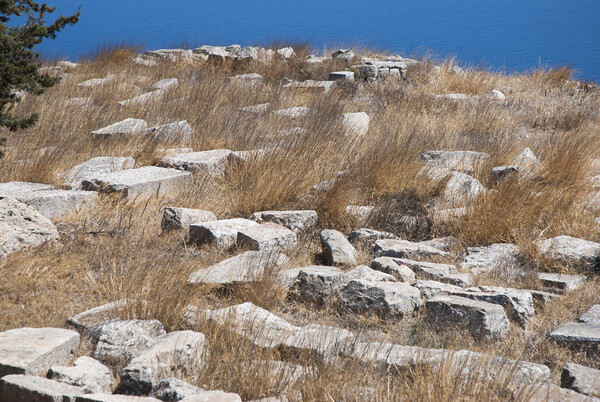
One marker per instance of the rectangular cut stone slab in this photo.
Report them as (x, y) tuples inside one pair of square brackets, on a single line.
[(222, 233), (404, 249), (144, 181), (88, 322), (517, 303), (100, 165), (293, 220), (267, 237), (570, 250), (581, 379), (143, 99), (181, 218), (87, 373), (313, 284), (32, 351), (179, 132), (592, 315), (386, 299), (320, 339), (341, 75), (553, 393), (481, 319), (14, 189), (179, 351), (54, 204), (438, 272), (431, 289), (246, 267), (127, 128), (261, 327), (25, 388), (208, 163), (579, 335), (494, 256), (561, 283), (542, 299)]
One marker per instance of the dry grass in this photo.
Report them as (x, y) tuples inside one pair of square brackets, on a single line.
[(116, 251)]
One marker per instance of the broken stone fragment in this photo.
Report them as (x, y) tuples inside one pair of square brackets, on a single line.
[(336, 249)]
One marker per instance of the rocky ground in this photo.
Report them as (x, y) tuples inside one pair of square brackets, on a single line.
[(230, 223)]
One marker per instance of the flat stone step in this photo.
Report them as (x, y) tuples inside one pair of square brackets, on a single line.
[(95, 166), (55, 204), (221, 234), (481, 319), (592, 315), (180, 218), (15, 188), (32, 351), (19, 387), (249, 266), (439, 272), (208, 163), (87, 373), (561, 283), (144, 181), (269, 237), (124, 128), (570, 250), (293, 220), (579, 336), (386, 299), (581, 379), (405, 249)]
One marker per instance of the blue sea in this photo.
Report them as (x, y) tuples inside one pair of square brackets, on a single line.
[(508, 35)]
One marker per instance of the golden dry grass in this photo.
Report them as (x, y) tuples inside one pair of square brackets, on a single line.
[(117, 251)]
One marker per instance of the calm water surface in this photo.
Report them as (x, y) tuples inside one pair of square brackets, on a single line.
[(513, 35)]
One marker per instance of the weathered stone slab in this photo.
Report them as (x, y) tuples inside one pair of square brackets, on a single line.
[(320, 339), (314, 284), (453, 97), (336, 249), (389, 266), (261, 327), (119, 341), (32, 351), (460, 190), (386, 299), (166, 84), (246, 267), (293, 220), (431, 289), (517, 302), (209, 163), (386, 356), (180, 351), (460, 161), (438, 272), (368, 274), (525, 159), (356, 123), (581, 379), (592, 315), (486, 259), (442, 243), (481, 319), (87, 373), (16, 188), (21, 227), (126, 128), (89, 321), (222, 234), (369, 236), (292, 112), (96, 82), (96, 166), (143, 99), (174, 389), (579, 335), (181, 218), (144, 181), (55, 204), (570, 250), (173, 133), (542, 299), (269, 237), (405, 249), (26, 388), (561, 283), (341, 75)]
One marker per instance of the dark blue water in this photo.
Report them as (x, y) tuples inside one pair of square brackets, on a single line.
[(512, 35)]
